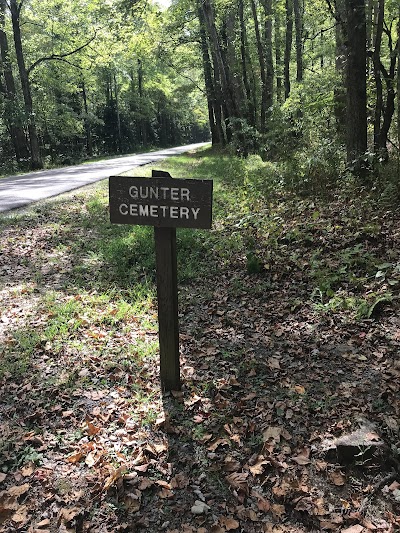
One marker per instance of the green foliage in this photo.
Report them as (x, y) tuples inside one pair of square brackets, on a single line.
[(104, 79)]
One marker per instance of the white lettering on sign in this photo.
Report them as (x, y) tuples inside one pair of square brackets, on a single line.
[(147, 192), (143, 210), (159, 211)]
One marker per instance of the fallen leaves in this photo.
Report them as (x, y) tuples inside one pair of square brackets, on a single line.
[(267, 378)]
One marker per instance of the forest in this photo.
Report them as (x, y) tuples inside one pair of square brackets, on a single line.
[(316, 80), (287, 415)]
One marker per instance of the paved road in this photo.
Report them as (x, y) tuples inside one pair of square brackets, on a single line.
[(19, 191)]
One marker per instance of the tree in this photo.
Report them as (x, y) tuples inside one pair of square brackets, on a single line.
[(288, 46), (12, 111), (298, 19), (356, 86), (35, 157), (385, 104)]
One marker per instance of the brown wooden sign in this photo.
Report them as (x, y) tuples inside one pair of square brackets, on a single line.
[(161, 202), (166, 204)]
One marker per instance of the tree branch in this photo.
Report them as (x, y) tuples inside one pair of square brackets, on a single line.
[(59, 57), (332, 11), (187, 77), (322, 31)]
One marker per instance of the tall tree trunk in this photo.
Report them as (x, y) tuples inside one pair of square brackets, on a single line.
[(36, 160), (376, 59), (340, 66), (398, 82), (263, 74), (214, 106), (209, 18), (389, 75), (288, 46), (230, 61), (278, 56), (246, 64), (88, 132), (142, 121), (118, 113), (298, 20), (356, 87), (15, 127), (269, 63), (369, 11)]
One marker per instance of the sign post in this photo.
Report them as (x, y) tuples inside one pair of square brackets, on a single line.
[(166, 204), (167, 297)]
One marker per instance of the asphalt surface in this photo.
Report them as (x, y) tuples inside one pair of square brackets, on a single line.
[(20, 191)]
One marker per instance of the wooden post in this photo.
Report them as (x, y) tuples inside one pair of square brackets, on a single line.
[(167, 296), (166, 204)]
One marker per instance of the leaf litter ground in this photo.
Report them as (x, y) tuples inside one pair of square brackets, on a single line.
[(289, 340)]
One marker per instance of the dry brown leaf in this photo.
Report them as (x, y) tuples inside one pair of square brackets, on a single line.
[(320, 510), (180, 481), (273, 433), (8, 504), (142, 468), (113, 477), (394, 486), (278, 510), (305, 504), (28, 470), (43, 523), (91, 428), (321, 465), (303, 458), (163, 484), (21, 515), (369, 525), (2, 477), (231, 465), (216, 444), (234, 382), (75, 457), (217, 529), (299, 389), (249, 396), (337, 478), (253, 515), (258, 468), (263, 505), (229, 523), (237, 480), (70, 514), (353, 529), (132, 501), (273, 363), (18, 490), (165, 493), (145, 483)]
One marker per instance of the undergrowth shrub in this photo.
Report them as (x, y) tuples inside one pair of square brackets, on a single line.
[(315, 171)]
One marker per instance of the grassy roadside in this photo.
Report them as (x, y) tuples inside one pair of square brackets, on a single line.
[(288, 321)]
